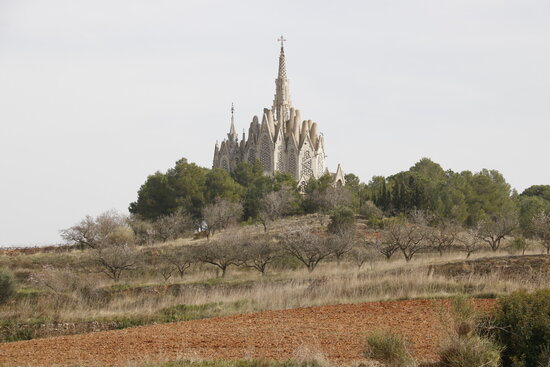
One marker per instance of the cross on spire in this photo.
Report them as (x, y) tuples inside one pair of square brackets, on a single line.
[(282, 40)]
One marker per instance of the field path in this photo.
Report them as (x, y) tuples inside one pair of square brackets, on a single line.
[(337, 330)]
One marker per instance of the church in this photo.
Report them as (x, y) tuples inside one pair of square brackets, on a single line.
[(282, 141)]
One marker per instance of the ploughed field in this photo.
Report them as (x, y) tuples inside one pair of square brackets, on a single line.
[(337, 330)]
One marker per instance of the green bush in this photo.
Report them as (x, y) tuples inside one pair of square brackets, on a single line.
[(471, 351), (342, 219), (522, 326), (7, 286), (389, 348)]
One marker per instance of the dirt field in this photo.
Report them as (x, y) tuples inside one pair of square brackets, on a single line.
[(338, 331)]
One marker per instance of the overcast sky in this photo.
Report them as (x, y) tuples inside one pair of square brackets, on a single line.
[(96, 95)]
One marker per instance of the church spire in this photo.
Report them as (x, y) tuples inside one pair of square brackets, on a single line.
[(281, 102), (232, 132)]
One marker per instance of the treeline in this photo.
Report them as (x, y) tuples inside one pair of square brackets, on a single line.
[(466, 198)]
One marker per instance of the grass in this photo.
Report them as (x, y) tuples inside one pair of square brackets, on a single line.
[(73, 295), (389, 348)]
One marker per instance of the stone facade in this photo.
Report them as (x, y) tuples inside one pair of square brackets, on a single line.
[(282, 141)]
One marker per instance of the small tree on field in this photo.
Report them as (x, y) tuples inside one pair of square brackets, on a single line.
[(258, 253), (362, 253), (306, 247), (220, 214), (494, 231), (173, 226), (468, 241), (327, 199), (408, 237), (92, 232), (341, 243), (180, 257), (274, 205), (116, 254), (541, 229), (442, 236), (221, 253), (113, 260)]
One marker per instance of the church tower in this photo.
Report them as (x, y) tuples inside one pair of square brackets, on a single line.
[(282, 141), (281, 102)]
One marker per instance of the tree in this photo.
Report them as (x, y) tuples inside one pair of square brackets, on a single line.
[(341, 243), (361, 253), (221, 253), (92, 232), (220, 185), (113, 260), (274, 205), (173, 226), (182, 186), (305, 246), (494, 231), (408, 237), (258, 253), (220, 214), (468, 241), (180, 257), (443, 235), (541, 229)]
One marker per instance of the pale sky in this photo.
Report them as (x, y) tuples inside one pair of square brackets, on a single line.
[(96, 95)]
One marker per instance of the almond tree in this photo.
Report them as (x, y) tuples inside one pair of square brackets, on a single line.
[(258, 253), (468, 241), (408, 237), (274, 205), (306, 247), (443, 236), (494, 231), (221, 253), (220, 214)]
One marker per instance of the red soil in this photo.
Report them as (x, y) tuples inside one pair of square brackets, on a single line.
[(339, 331)]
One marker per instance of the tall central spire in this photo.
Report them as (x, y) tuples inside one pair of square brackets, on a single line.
[(281, 102)]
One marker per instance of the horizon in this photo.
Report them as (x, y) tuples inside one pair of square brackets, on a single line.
[(93, 103)]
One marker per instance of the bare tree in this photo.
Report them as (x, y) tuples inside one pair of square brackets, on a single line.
[(143, 229), (258, 253), (180, 257), (91, 232), (494, 231), (468, 241), (166, 271), (220, 214), (274, 205), (113, 260), (541, 229), (362, 253), (341, 243), (306, 247), (173, 226), (408, 237), (116, 253), (443, 236), (221, 253)]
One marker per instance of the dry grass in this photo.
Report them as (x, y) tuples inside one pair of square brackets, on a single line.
[(144, 297)]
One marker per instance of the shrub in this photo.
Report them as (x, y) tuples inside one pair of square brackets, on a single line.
[(389, 348), (342, 220), (473, 351), (522, 325), (7, 286)]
